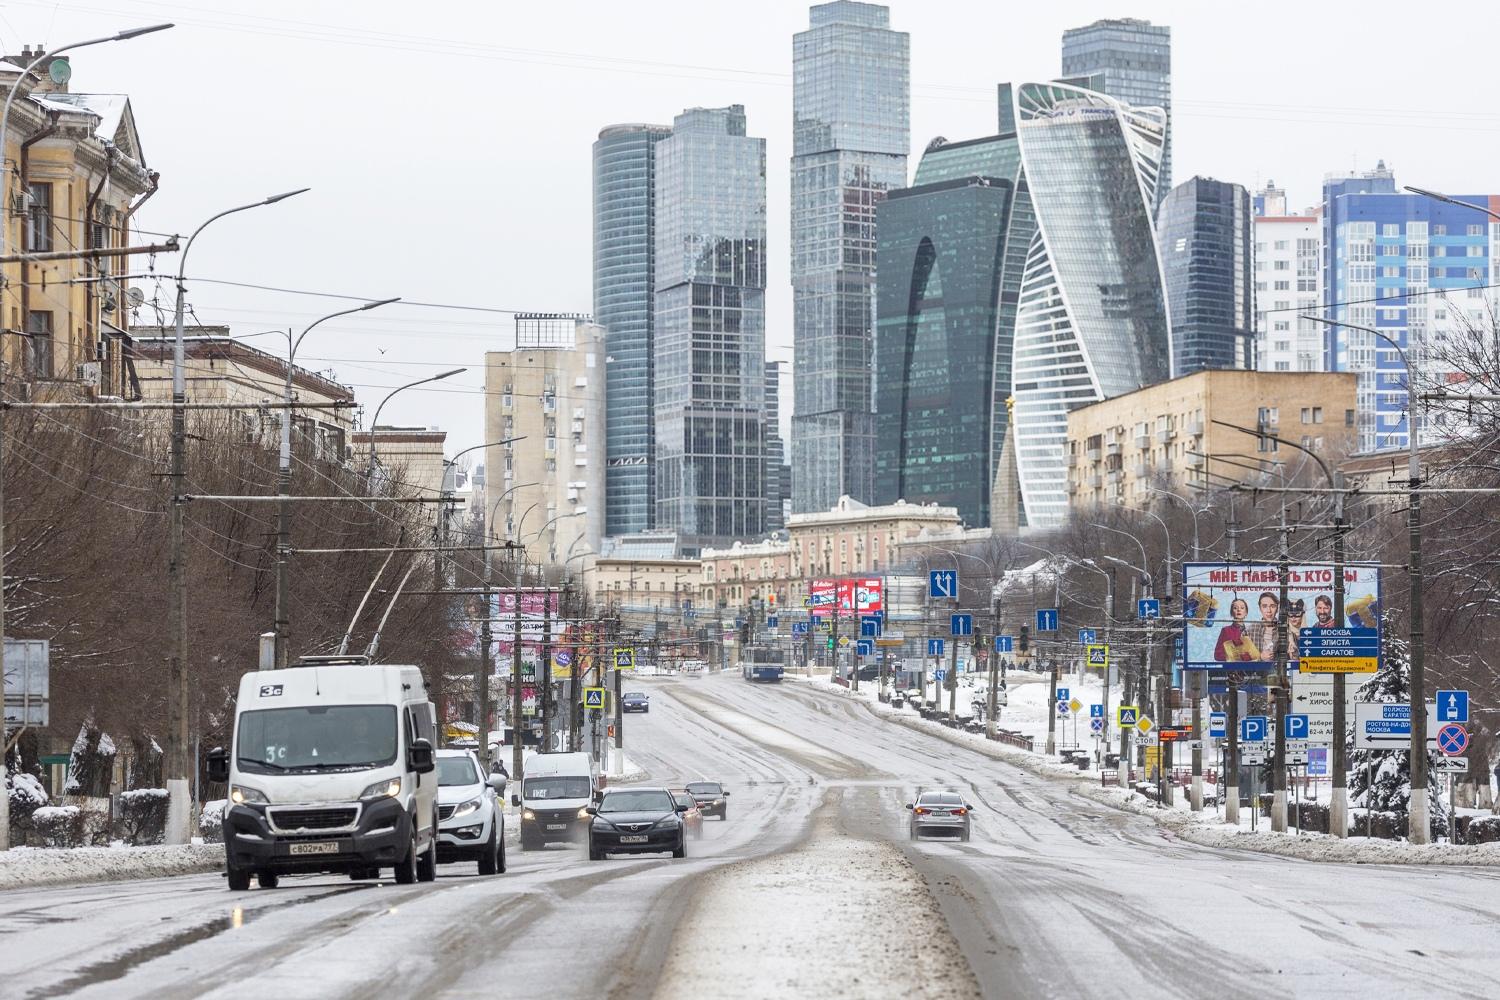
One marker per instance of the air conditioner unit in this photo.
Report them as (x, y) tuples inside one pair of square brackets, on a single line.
[(20, 202), (90, 373)]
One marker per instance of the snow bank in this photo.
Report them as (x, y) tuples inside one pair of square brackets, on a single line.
[(33, 866)]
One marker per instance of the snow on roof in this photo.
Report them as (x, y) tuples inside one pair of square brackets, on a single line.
[(108, 108)]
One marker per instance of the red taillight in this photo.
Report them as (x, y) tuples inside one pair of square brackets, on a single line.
[(920, 811), (959, 812)]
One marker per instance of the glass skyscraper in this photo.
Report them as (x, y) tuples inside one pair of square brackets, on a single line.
[(710, 329), (1131, 61), (1092, 320), (1203, 229), (624, 273), (851, 132)]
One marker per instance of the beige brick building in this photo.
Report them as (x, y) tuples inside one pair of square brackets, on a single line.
[(854, 539), (758, 571), (635, 585), (411, 456), (1159, 436)]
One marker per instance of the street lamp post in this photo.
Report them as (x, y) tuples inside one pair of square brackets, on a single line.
[(4, 232), (1145, 574), (375, 421)]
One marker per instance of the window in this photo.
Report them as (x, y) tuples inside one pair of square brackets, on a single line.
[(1312, 414), (1283, 324), (1282, 265), (1281, 244), (1390, 229), (1475, 230), (1269, 416), (1439, 229), (1283, 345), (1283, 366), (40, 339), (1284, 286), (1348, 418), (39, 217), (1260, 286)]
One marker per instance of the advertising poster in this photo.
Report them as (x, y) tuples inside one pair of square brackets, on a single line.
[(1230, 610), (858, 596), (534, 609)]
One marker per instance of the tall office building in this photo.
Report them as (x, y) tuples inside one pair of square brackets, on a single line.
[(624, 272), (778, 471), (1092, 321), (1131, 61), (1204, 231), (710, 349), (1288, 285), (952, 248), (1417, 270), (850, 113)]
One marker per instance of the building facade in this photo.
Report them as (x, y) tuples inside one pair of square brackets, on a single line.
[(1131, 60), (1126, 449), (1204, 231), (743, 575), (1092, 320), (855, 539), (1288, 285), (546, 489), (710, 329), (778, 470), (624, 276), (407, 459), (1414, 268), (952, 249), (851, 110)]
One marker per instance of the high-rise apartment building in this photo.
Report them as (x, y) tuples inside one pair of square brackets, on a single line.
[(850, 113), (624, 272), (1204, 231), (547, 490), (1092, 318), (710, 351), (1414, 268), (778, 470), (1131, 61), (1288, 285)]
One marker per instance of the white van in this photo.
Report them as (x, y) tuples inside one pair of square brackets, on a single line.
[(556, 790), (331, 769)]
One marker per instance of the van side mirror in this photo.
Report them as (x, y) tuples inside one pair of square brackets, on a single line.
[(682, 807), (515, 800), (218, 764), (419, 757)]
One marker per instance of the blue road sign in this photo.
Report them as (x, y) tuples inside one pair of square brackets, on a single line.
[(940, 675), (1096, 724), (771, 621), (1087, 636), (865, 647), (1218, 723), (942, 584), (1452, 706), (1062, 694), (961, 625), (1253, 729), (1148, 607), (1046, 620), (1338, 642), (1178, 653), (1453, 739), (934, 647), (1005, 643), (1126, 716), (799, 628), (1295, 726), (1096, 711), (868, 629)]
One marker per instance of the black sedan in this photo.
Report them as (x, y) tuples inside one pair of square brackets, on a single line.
[(637, 821), (710, 796), (635, 701)]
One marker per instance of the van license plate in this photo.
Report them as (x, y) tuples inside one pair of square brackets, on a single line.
[(633, 838), (320, 847), (557, 826)]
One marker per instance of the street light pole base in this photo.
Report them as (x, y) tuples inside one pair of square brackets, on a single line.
[(179, 813), (1419, 822), (1278, 811), (1196, 796), (1338, 813), (1232, 805)]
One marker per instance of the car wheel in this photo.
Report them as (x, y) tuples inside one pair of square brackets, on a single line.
[(239, 879), (427, 864), (406, 868), (267, 880), (489, 861), (680, 851), (502, 853)]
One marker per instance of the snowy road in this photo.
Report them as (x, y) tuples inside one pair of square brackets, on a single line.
[(1054, 896)]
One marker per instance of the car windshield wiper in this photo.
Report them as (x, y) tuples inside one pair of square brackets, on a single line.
[(261, 763)]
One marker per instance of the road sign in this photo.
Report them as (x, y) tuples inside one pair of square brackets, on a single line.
[(562, 657), (942, 584), (1254, 729), (865, 647), (1449, 765), (593, 697), (772, 621), (1174, 734), (799, 628), (1453, 706), (934, 647), (960, 625), (1096, 725), (1317, 762), (1453, 739), (1253, 755), (1144, 725), (624, 658), (1046, 620), (1125, 716), (1218, 724), (1062, 709), (1074, 705), (1338, 650), (940, 675), (1098, 655), (1062, 694), (26, 689), (870, 626), (1005, 643), (1086, 636), (1148, 607), (844, 641), (1096, 711), (1295, 726), (1386, 725)]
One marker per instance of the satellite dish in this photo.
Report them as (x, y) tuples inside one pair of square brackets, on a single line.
[(135, 297), (59, 71)]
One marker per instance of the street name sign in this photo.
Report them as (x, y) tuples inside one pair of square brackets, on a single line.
[(1338, 650)]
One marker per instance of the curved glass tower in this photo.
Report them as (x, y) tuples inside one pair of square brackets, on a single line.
[(1092, 319)]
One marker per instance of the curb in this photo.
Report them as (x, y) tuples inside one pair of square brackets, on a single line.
[(83, 866)]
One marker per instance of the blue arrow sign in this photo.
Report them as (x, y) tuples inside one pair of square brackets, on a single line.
[(1295, 726), (868, 629), (771, 621), (1452, 706), (934, 647), (1096, 711), (1086, 636), (942, 584), (799, 628), (1148, 607), (1062, 694), (865, 647), (940, 675), (961, 625), (1046, 620), (1218, 724), (1253, 729), (1005, 643)]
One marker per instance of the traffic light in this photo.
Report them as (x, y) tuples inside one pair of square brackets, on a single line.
[(1025, 638), (745, 633), (830, 643)]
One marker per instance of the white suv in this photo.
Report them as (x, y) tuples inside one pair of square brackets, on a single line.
[(471, 823)]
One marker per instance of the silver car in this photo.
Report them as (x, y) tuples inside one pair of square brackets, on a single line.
[(941, 814)]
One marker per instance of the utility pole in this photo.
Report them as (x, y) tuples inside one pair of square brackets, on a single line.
[(1229, 784), (482, 682), (1052, 699), (1338, 805), (516, 706), (1278, 774), (992, 705), (1109, 618), (544, 670), (1126, 691), (951, 681)]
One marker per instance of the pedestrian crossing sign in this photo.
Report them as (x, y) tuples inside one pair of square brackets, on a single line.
[(1098, 655), (1125, 716), (624, 658), (593, 697)]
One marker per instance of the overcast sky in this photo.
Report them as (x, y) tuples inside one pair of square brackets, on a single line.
[(449, 156)]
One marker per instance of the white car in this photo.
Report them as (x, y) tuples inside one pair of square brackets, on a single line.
[(471, 823)]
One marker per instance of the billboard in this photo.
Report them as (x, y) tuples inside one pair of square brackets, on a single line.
[(857, 596), (1230, 610), (26, 681)]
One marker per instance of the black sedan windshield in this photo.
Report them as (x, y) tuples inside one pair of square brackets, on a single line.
[(636, 801), (317, 737)]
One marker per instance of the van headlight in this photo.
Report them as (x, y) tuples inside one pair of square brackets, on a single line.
[(387, 789), (464, 808), (583, 813), (243, 794)]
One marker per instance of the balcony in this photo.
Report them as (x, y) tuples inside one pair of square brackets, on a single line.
[(1094, 454), (1072, 460), (1096, 481), (1195, 428), (1142, 441), (1163, 436), (1195, 461), (1072, 488), (1141, 470), (1114, 476), (1113, 448)]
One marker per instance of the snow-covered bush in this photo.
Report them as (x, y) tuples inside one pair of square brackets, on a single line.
[(26, 796), (211, 821), (1478, 829), (1310, 816), (141, 816), (90, 763), (59, 826)]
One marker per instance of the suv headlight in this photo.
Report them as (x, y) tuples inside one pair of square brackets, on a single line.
[(242, 794), (387, 789), (464, 808)]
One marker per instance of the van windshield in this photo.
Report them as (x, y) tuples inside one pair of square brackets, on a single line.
[(558, 788), (317, 738)]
